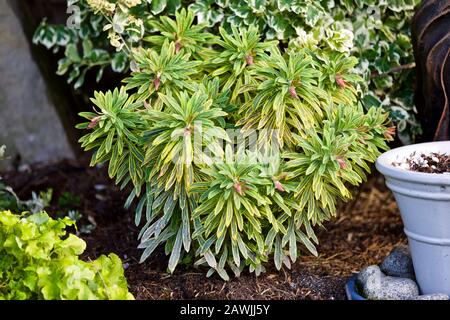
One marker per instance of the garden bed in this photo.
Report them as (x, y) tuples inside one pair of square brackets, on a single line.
[(364, 232)]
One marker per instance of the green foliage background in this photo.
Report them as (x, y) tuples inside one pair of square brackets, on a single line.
[(375, 32)]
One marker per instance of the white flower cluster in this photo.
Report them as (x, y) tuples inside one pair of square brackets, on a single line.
[(337, 40), (124, 26), (103, 6)]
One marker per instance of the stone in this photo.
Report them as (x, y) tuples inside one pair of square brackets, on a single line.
[(398, 263), (369, 274), (433, 296), (30, 126), (375, 285)]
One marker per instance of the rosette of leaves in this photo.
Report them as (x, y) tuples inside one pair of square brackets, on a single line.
[(338, 77), (320, 167), (40, 260), (377, 33), (232, 213), (175, 144), (288, 98), (116, 138), (334, 155), (187, 36), (246, 214), (235, 61), (297, 229), (220, 98), (166, 71)]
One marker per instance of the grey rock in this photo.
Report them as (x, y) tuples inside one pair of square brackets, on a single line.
[(434, 296), (374, 285), (30, 125), (369, 274), (398, 263)]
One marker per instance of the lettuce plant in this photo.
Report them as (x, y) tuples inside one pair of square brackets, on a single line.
[(39, 260), (235, 156)]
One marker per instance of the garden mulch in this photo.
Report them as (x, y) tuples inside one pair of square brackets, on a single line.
[(364, 232)]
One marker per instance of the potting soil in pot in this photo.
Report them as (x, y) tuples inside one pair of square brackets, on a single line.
[(429, 163)]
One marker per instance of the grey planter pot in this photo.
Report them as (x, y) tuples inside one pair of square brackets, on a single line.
[(424, 203)]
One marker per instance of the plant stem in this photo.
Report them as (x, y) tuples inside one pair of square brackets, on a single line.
[(376, 74)]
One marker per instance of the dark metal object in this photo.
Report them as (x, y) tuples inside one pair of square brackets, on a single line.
[(431, 43)]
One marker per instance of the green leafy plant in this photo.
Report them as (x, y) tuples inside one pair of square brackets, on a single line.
[(376, 33), (85, 48), (187, 36), (166, 71), (235, 61), (10, 201), (235, 214), (116, 137), (38, 260), (236, 156), (40, 201), (68, 200), (289, 97)]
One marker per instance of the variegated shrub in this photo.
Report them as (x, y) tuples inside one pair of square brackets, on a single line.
[(375, 32), (234, 147)]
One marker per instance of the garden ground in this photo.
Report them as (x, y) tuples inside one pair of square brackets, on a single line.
[(364, 231)]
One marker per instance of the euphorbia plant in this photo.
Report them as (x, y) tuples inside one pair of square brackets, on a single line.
[(377, 32), (187, 36), (171, 133), (236, 57), (165, 71), (173, 159)]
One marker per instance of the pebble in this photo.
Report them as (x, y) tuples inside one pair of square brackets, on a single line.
[(398, 263), (374, 285)]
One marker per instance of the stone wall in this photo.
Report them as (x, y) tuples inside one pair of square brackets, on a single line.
[(30, 125)]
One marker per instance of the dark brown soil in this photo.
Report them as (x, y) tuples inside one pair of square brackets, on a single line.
[(430, 163), (364, 232)]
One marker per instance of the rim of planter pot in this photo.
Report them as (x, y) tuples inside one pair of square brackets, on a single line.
[(385, 166)]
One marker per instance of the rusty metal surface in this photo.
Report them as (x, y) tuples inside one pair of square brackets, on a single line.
[(431, 42)]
